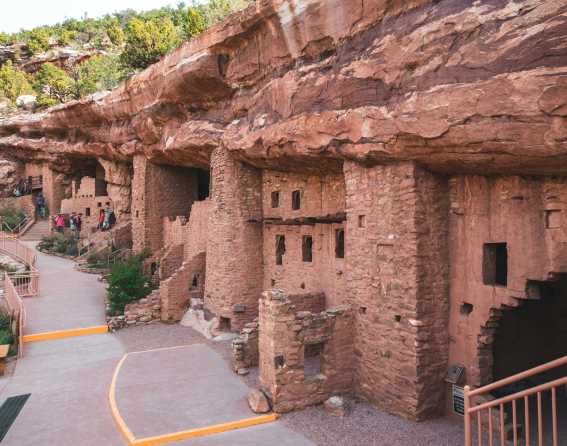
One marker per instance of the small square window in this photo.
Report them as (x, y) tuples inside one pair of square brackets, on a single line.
[(340, 243), (280, 249), (99, 205), (275, 199), (495, 264), (553, 219), (307, 248), (296, 200)]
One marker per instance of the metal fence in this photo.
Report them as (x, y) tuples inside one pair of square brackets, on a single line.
[(527, 409)]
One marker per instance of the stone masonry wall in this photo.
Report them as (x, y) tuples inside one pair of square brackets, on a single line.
[(285, 337), (54, 188), (187, 267), (245, 349), (394, 229), (157, 192), (529, 215), (234, 261), (320, 196)]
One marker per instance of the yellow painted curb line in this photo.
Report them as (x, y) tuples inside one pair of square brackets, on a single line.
[(122, 427), (175, 436), (203, 431), (51, 335)]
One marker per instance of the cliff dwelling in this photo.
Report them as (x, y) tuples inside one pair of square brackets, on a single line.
[(371, 198)]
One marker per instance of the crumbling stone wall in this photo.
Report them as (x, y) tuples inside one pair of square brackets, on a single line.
[(159, 191), (177, 291), (186, 272), (396, 237), (526, 213), (174, 230), (286, 334), (245, 348), (320, 216), (234, 261)]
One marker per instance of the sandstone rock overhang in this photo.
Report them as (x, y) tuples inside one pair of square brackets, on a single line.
[(458, 86)]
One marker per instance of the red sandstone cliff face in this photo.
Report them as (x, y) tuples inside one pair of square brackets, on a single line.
[(457, 85)]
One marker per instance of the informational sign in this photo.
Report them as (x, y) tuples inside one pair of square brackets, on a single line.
[(458, 400)]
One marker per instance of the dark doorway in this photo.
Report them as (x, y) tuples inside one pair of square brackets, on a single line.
[(527, 336)]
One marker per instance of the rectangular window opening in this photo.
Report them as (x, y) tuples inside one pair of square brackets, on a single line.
[(280, 249), (340, 243), (296, 200), (87, 212), (275, 199), (307, 248), (495, 264), (553, 219), (224, 324), (313, 359)]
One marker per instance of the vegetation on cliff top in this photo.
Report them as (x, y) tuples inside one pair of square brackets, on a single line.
[(124, 43)]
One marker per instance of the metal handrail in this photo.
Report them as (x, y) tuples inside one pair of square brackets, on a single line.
[(512, 399), (26, 282)]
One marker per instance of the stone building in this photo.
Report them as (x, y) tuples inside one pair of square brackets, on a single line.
[(371, 192)]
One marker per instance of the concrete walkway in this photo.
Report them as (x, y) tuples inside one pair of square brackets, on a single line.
[(68, 298), (159, 391)]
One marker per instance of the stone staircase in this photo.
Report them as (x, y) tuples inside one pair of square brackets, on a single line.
[(39, 229)]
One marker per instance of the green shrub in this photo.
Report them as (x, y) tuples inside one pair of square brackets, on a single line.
[(5, 321), (13, 82), (6, 337), (97, 74), (126, 283), (37, 40), (59, 243), (10, 218), (52, 84), (148, 40)]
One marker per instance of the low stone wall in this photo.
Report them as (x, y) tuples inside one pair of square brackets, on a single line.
[(304, 357), (245, 352), (143, 312)]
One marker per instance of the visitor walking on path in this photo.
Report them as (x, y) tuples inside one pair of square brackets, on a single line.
[(60, 223), (40, 204)]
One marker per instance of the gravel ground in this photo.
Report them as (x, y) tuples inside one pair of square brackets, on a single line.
[(364, 426)]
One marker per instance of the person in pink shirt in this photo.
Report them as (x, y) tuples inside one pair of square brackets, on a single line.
[(59, 223)]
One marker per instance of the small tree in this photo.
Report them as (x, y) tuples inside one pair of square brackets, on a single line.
[(148, 40), (37, 41), (126, 283), (195, 22), (97, 74), (52, 84), (13, 82), (114, 32)]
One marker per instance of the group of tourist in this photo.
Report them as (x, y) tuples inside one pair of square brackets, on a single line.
[(75, 223), (106, 219)]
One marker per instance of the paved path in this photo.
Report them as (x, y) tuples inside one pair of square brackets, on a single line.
[(68, 298), (160, 392)]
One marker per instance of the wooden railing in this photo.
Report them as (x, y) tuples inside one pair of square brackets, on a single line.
[(488, 414)]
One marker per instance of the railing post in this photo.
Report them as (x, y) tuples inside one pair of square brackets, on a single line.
[(468, 439)]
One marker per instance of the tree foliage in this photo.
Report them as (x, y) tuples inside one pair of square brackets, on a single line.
[(97, 74), (13, 83), (53, 85), (133, 40), (148, 40), (37, 40), (126, 283)]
